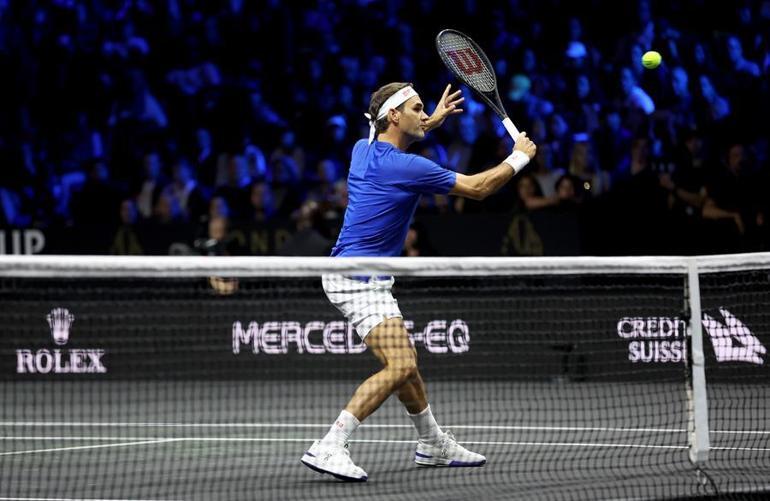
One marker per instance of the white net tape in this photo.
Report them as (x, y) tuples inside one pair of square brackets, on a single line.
[(200, 266)]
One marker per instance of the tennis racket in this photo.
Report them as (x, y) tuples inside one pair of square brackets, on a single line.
[(468, 63)]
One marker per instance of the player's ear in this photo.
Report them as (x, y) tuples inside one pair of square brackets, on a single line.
[(394, 115)]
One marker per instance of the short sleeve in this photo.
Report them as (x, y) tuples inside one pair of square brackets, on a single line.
[(420, 175)]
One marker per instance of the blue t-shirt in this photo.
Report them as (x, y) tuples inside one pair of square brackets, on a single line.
[(384, 188)]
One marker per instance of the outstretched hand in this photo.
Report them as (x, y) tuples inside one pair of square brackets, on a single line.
[(447, 105)]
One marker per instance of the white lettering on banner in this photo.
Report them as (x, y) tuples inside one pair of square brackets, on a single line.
[(272, 341), (435, 336), (652, 327), (648, 333), (251, 337), (310, 347), (339, 337), (60, 361), (292, 332), (657, 351), (656, 339), (733, 341), (458, 343), (335, 337), (76, 361), (33, 242)]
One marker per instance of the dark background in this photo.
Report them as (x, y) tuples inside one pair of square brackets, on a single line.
[(129, 125)]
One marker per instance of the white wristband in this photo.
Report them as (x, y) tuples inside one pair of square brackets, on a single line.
[(517, 160)]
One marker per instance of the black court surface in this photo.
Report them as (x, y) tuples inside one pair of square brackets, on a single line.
[(195, 440)]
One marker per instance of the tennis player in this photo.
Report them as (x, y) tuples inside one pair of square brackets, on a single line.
[(385, 184)]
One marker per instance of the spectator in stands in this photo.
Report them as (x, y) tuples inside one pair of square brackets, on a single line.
[(126, 239), (680, 102), (716, 106), (739, 63), (593, 181), (733, 202), (531, 196), (289, 152), (218, 208), (583, 106), (544, 172), (98, 200), (234, 188), (205, 157), (307, 240), (636, 99), (151, 184), (185, 192), (530, 105), (138, 104), (166, 210), (261, 202), (569, 191), (613, 143), (417, 243)]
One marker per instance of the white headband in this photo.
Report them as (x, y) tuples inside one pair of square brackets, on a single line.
[(392, 102)]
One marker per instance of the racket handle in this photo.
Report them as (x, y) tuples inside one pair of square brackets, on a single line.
[(512, 130)]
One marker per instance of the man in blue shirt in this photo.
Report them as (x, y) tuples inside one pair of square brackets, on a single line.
[(385, 184)]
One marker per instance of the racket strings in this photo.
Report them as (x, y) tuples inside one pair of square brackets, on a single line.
[(466, 62)]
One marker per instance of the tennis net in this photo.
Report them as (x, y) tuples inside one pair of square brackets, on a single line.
[(207, 378)]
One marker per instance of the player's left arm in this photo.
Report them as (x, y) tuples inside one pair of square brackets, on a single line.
[(447, 105)]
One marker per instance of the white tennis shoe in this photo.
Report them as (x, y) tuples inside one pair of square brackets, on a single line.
[(333, 459), (446, 453)]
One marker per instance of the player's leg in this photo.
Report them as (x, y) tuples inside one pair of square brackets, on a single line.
[(390, 343), (434, 447), (412, 393)]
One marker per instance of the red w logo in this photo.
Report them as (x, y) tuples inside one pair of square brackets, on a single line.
[(467, 60)]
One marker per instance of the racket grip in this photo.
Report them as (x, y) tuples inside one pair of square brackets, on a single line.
[(512, 130)]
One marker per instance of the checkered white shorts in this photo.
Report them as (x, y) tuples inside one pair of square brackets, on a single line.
[(365, 301)]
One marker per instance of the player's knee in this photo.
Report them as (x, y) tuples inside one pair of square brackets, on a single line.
[(403, 370)]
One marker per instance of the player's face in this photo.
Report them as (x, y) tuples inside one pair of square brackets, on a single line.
[(413, 118)]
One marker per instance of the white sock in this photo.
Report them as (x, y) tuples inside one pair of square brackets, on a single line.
[(427, 427), (342, 428)]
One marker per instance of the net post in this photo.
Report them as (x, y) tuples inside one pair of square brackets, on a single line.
[(698, 427)]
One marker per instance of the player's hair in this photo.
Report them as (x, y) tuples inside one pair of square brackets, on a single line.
[(378, 99)]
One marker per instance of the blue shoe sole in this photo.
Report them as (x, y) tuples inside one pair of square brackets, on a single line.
[(453, 464)]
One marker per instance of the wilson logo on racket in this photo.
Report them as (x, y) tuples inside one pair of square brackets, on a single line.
[(466, 60)]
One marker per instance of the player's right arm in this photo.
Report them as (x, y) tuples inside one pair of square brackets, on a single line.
[(480, 186)]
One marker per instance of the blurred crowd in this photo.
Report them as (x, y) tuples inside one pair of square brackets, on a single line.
[(123, 112)]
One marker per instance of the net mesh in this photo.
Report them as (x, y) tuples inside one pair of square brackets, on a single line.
[(736, 326), (573, 385), (465, 61)]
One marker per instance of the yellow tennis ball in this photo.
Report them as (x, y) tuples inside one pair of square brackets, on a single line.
[(651, 59)]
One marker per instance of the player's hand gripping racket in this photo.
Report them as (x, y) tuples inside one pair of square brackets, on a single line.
[(469, 64)]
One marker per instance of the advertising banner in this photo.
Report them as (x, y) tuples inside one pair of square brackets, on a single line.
[(570, 328)]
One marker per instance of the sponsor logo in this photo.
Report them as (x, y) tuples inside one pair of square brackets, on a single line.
[(663, 339), (466, 60), (654, 339), (338, 337), (732, 340), (60, 320), (60, 361)]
